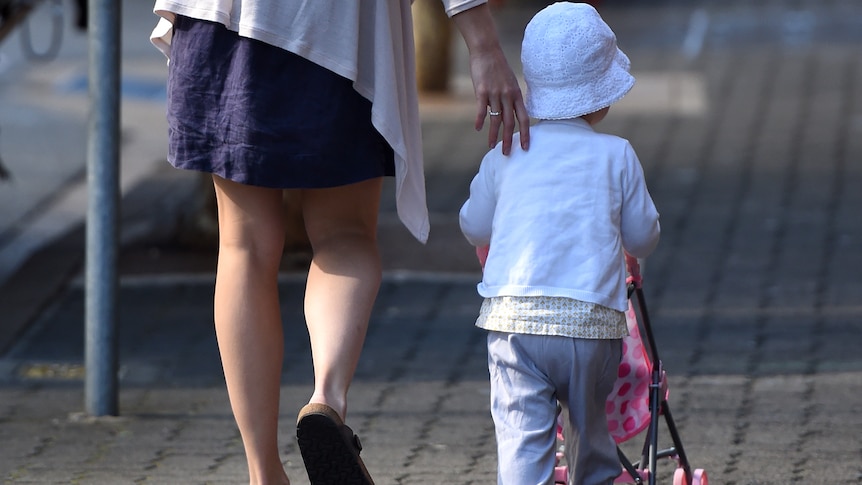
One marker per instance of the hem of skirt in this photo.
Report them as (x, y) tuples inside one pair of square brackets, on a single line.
[(284, 185)]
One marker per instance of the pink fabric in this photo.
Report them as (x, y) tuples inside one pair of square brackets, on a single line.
[(482, 254), (628, 405)]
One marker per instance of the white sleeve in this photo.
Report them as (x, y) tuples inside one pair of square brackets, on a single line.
[(453, 7), (477, 214), (161, 36), (640, 227)]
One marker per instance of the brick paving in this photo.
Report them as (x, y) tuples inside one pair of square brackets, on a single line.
[(748, 120)]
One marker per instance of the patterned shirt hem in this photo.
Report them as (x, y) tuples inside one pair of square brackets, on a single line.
[(548, 315)]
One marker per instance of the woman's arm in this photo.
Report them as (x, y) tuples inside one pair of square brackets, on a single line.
[(497, 89)]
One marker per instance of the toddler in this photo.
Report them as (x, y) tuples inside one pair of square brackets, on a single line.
[(558, 219)]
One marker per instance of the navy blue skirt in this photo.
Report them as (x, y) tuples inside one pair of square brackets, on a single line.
[(259, 115)]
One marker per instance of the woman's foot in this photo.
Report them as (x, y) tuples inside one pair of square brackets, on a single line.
[(330, 449)]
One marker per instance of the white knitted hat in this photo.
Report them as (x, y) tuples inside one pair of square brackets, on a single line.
[(571, 62)]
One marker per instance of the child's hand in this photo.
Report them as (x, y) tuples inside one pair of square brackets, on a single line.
[(634, 269), (482, 254)]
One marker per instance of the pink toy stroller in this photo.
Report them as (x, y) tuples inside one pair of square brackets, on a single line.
[(638, 400)]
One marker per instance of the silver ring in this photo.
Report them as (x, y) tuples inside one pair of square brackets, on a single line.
[(493, 113)]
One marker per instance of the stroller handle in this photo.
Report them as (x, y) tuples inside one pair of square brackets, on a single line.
[(634, 270)]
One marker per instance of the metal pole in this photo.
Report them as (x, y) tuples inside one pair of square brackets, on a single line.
[(101, 387)]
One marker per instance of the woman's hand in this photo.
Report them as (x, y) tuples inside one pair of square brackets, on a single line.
[(498, 94)]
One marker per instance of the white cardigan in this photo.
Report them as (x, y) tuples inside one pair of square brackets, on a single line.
[(367, 41), (558, 216)]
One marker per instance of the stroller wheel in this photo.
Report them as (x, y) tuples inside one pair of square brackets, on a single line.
[(679, 477), (698, 477), (561, 474)]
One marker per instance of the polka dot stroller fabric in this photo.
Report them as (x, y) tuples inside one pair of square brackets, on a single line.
[(628, 405)]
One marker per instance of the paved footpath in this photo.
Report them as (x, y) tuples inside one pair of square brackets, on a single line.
[(748, 120)]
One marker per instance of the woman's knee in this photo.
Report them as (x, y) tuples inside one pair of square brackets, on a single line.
[(251, 221), (342, 215)]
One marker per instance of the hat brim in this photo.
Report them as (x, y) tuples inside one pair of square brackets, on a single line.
[(572, 101)]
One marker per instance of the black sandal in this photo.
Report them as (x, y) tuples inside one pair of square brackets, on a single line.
[(329, 448)]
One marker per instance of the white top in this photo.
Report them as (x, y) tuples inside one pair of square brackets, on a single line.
[(558, 216), (367, 41)]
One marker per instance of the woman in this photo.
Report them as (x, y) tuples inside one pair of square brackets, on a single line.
[(317, 95)]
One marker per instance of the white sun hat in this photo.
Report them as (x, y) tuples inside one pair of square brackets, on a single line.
[(571, 62)]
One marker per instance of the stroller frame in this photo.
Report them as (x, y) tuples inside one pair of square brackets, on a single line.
[(644, 470)]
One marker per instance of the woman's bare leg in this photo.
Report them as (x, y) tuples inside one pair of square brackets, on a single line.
[(342, 283), (248, 318)]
